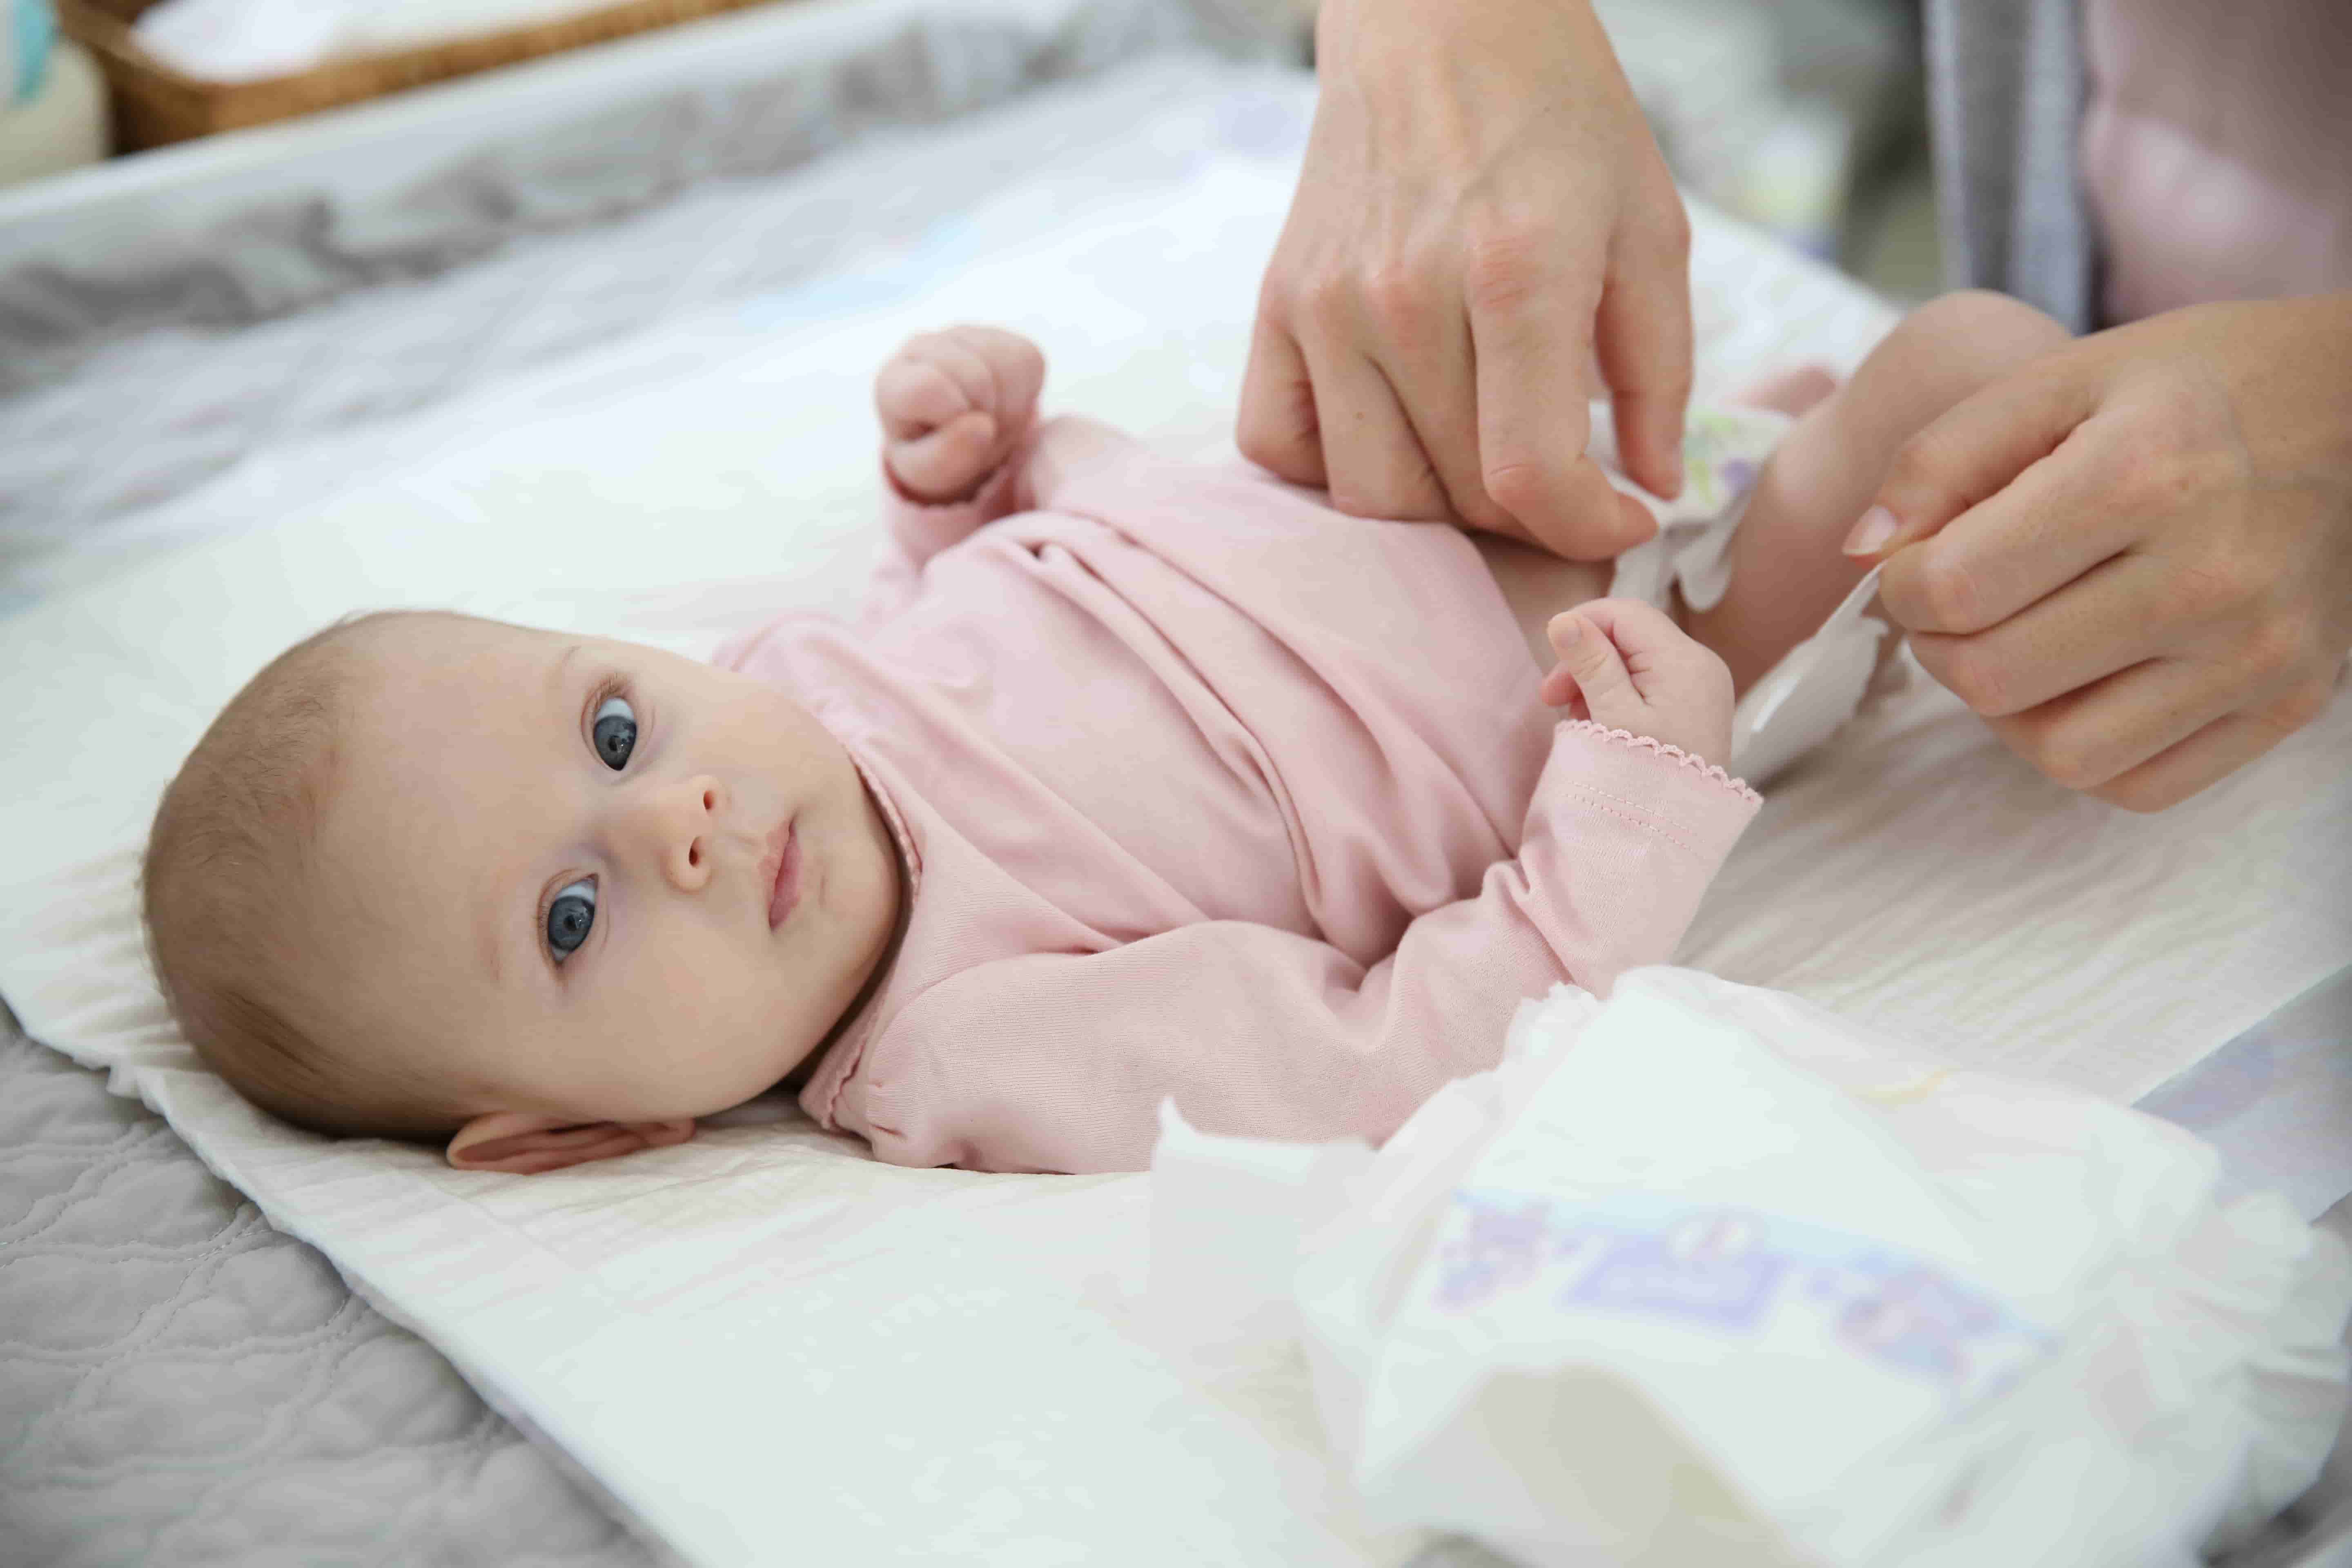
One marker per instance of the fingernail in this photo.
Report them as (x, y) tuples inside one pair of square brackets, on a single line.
[(1876, 527)]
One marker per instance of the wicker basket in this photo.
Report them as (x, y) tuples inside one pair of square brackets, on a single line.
[(154, 104)]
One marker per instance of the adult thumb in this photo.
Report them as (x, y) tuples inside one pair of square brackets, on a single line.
[(1972, 452)]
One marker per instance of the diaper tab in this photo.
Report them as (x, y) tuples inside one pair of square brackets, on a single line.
[(1811, 692)]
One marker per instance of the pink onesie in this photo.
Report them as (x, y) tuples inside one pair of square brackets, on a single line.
[(1206, 790)]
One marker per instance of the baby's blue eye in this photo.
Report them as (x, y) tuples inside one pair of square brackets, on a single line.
[(570, 916), (614, 731)]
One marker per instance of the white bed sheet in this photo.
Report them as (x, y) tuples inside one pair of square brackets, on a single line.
[(926, 1364)]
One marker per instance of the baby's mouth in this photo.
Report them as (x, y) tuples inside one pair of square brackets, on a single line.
[(783, 887)]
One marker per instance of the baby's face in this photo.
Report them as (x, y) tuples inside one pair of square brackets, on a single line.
[(594, 881)]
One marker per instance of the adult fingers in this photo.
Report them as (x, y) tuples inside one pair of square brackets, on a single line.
[(1973, 451), (2094, 735), (2037, 532), (1643, 336), (2110, 618), (1429, 369), (1372, 460), (2209, 755), (1276, 427), (1531, 334)]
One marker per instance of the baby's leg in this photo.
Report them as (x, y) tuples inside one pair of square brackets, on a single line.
[(1537, 586), (1787, 571)]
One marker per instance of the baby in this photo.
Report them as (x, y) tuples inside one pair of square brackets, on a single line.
[(1134, 780)]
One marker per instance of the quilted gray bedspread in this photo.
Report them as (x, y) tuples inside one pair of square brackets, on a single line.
[(180, 1383)]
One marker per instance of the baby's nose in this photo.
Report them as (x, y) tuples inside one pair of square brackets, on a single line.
[(677, 820)]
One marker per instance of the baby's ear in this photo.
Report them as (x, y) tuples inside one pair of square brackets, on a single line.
[(512, 1141)]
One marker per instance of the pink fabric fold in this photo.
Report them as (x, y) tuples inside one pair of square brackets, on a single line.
[(1219, 795)]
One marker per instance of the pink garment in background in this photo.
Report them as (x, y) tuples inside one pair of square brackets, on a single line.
[(2217, 150), (1209, 791)]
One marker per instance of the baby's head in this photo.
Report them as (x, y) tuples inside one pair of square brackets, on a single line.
[(548, 898)]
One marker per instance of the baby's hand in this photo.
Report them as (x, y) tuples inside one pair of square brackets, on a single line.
[(1626, 665), (952, 406)]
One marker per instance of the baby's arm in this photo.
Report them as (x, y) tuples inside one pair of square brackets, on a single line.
[(1057, 1061), (956, 407)]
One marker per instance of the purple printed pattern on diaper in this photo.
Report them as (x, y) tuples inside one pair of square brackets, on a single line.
[(1729, 1271), (1504, 1248), (1916, 1319), (1720, 452), (1706, 1269)]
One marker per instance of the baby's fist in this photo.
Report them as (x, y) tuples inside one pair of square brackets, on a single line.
[(1625, 664), (953, 404)]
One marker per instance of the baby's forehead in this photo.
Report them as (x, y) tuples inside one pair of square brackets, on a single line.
[(441, 775), (408, 642), (455, 665), (433, 691)]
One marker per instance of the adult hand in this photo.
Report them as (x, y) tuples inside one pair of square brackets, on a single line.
[(1482, 214), (2134, 555)]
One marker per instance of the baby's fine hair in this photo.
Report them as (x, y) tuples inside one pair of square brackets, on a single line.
[(230, 901)]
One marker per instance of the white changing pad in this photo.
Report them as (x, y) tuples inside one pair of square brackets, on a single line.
[(764, 1343)]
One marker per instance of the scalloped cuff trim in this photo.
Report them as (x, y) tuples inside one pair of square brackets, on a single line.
[(1671, 752)]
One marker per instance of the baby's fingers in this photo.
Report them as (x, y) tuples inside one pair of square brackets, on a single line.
[(1559, 691), (1645, 637), (914, 395), (1016, 366), (1594, 671), (946, 463), (956, 353)]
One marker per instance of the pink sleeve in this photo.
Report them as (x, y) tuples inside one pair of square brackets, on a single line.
[(920, 529), (1054, 453), (1059, 1062)]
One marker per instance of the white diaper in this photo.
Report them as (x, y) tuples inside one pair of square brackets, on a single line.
[(1819, 684)]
